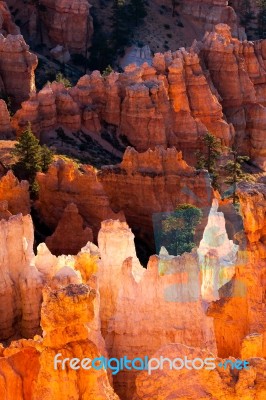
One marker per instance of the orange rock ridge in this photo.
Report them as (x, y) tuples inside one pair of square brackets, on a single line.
[(172, 103)]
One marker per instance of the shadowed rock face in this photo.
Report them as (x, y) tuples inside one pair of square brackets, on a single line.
[(17, 67), (63, 241), (68, 23)]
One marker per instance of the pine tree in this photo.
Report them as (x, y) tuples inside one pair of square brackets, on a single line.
[(178, 229), (209, 157), (120, 26), (234, 171), (137, 9), (46, 157), (31, 158)]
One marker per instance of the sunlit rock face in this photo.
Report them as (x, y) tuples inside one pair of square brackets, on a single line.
[(240, 84), (20, 282), (131, 324), (217, 255), (15, 193), (201, 383), (239, 315), (27, 367), (217, 85), (153, 182)]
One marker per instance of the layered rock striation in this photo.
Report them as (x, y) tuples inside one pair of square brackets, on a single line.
[(17, 67), (217, 85), (153, 182), (63, 184), (68, 23)]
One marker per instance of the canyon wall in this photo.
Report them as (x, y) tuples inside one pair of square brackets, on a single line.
[(212, 12), (174, 102), (7, 25), (239, 317), (68, 23), (17, 67), (196, 384), (27, 367), (64, 183), (15, 194), (131, 323), (153, 182)]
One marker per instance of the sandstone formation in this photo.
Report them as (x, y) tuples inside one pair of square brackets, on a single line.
[(217, 255), (20, 283), (131, 324), (17, 67), (7, 25), (63, 184), (237, 70), (174, 102), (62, 240), (200, 384), (212, 12), (145, 184), (159, 105), (239, 315), (15, 193), (27, 367), (5, 125), (68, 23)]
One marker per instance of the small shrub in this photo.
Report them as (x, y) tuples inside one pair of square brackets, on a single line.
[(60, 78)]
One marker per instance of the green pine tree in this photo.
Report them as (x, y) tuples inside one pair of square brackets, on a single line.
[(47, 157), (207, 159), (31, 158), (178, 229), (234, 172), (120, 25)]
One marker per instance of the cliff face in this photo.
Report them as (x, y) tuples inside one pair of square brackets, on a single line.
[(27, 367), (21, 284), (153, 182), (217, 85), (17, 67), (237, 70), (68, 23), (197, 384), (212, 12), (7, 25), (62, 241), (131, 324), (64, 184), (15, 193), (239, 317)]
